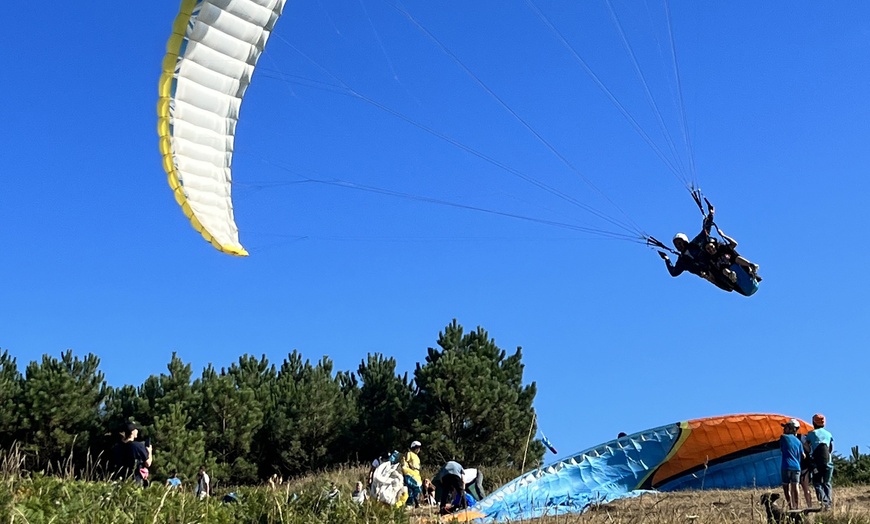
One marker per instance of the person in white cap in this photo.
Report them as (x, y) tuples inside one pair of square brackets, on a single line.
[(411, 470), (792, 452), (691, 255)]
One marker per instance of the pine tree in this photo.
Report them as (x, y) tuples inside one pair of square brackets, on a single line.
[(259, 376), (230, 416), (124, 404), (166, 410), (310, 417), (177, 446), (345, 449), (163, 391), (11, 386), (61, 402), (466, 402), (383, 405), (471, 403), (256, 374)]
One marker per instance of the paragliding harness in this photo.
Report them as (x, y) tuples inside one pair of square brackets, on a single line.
[(741, 280), (698, 197)]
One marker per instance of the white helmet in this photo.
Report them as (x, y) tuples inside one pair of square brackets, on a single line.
[(681, 236)]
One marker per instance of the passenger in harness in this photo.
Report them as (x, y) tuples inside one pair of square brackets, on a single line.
[(729, 267), (710, 259)]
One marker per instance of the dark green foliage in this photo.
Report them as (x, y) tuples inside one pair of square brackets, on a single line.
[(259, 376), (230, 417), (471, 403), (310, 417), (60, 407), (384, 404), (124, 404), (165, 390), (178, 445), (251, 420), (168, 412), (11, 387), (852, 471), (121, 405)]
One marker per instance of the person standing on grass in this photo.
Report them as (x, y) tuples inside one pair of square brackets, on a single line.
[(131, 459), (821, 444), (792, 451), (808, 471), (411, 471), (203, 484)]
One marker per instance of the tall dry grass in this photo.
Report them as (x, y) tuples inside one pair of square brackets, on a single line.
[(69, 498), (852, 505)]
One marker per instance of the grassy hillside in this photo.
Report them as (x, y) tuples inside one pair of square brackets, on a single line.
[(717, 507), (36, 498), (42, 499)]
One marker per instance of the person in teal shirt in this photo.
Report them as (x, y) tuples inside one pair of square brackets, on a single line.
[(173, 481), (821, 444)]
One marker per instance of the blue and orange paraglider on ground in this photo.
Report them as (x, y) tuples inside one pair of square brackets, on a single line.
[(726, 452)]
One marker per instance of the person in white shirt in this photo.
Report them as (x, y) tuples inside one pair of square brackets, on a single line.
[(203, 484)]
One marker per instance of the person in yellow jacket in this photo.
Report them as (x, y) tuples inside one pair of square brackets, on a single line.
[(411, 470)]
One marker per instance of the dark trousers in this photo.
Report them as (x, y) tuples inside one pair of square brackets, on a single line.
[(451, 486), (822, 483)]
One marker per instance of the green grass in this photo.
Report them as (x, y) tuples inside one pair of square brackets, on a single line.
[(43, 499), (62, 499)]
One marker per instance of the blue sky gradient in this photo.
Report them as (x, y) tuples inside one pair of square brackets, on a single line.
[(98, 257)]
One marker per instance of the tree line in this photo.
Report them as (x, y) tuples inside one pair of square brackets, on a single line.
[(466, 401)]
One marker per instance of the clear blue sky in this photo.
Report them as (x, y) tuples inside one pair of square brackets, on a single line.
[(97, 257)]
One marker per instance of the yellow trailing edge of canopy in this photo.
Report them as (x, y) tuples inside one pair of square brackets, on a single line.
[(178, 192), (164, 127)]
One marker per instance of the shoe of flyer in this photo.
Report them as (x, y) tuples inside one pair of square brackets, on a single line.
[(753, 271)]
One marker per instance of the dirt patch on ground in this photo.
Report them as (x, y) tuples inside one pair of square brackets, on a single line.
[(721, 507)]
